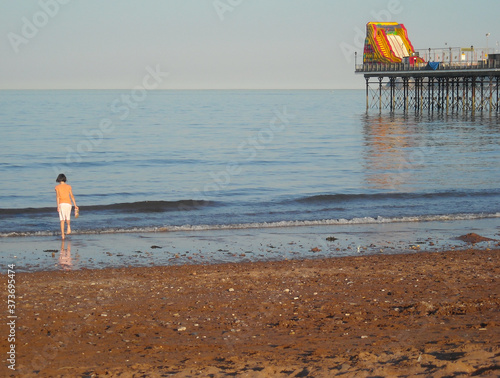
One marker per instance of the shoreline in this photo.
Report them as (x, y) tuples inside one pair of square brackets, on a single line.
[(98, 251), (430, 313)]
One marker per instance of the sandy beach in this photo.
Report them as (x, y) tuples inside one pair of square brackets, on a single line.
[(428, 314)]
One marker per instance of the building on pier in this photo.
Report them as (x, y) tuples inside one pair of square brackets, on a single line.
[(449, 79)]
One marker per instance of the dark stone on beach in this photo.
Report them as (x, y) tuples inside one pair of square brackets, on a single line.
[(155, 247), (473, 238), (332, 238)]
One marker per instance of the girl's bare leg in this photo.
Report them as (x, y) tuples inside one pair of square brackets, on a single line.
[(62, 229), (69, 227)]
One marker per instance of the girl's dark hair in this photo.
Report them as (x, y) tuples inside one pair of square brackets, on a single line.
[(61, 177)]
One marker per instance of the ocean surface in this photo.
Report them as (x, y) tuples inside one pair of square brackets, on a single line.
[(142, 162)]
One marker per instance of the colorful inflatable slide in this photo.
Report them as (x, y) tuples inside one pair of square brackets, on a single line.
[(387, 42)]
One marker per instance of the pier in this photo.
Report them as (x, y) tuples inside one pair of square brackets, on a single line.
[(446, 80)]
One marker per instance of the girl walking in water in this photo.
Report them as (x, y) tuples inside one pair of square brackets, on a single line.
[(64, 197)]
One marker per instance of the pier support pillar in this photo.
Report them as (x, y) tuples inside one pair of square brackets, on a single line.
[(447, 94), (380, 93), (473, 94), (430, 92), (367, 97), (490, 100), (497, 106), (421, 96), (405, 94), (392, 84), (437, 91)]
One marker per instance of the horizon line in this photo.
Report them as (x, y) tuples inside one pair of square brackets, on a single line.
[(180, 89)]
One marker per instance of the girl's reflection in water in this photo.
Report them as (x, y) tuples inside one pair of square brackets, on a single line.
[(65, 261)]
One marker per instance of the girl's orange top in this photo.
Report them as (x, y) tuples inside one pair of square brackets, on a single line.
[(64, 193)]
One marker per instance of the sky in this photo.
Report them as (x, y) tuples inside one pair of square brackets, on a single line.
[(217, 44)]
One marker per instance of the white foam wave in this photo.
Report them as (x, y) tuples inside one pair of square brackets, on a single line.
[(327, 222), (238, 226)]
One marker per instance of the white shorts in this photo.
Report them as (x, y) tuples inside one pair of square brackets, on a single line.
[(64, 211)]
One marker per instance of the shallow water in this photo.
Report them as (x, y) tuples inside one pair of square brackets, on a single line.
[(98, 251)]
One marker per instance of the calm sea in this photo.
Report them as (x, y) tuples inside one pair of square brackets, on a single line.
[(196, 160)]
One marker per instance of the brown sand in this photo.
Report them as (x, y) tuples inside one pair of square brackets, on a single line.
[(427, 314)]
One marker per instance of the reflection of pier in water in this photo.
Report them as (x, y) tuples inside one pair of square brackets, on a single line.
[(403, 152), (389, 159)]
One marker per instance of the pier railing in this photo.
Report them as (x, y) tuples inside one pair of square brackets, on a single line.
[(442, 66)]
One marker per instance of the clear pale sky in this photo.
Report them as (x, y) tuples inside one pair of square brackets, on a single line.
[(226, 44)]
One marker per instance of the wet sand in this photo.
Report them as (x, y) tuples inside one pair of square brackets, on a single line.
[(430, 314)]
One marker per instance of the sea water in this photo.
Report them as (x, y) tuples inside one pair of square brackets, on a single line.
[(163, 161)]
